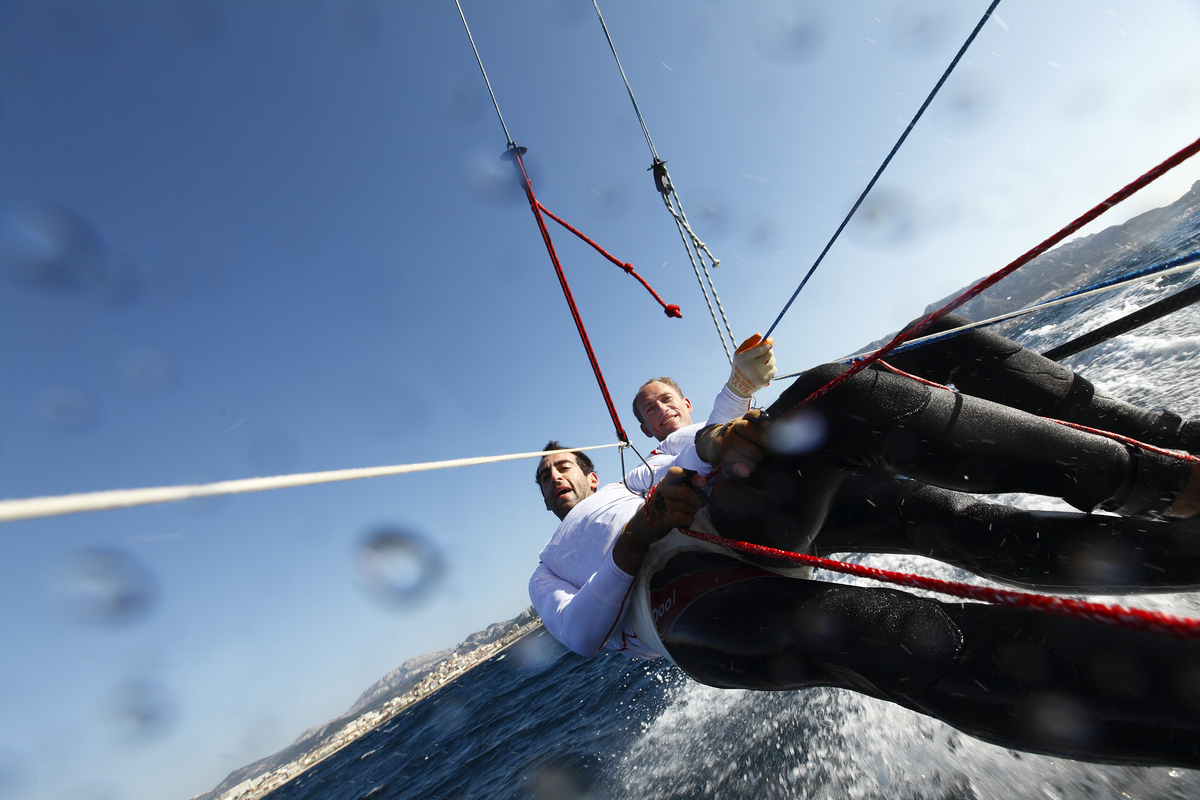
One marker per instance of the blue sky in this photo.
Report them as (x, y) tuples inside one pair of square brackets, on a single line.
[(240, 239)]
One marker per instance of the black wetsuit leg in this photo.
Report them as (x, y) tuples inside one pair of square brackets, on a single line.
[(985, 364), (1016, 678), (881, 423), (1044, 550)]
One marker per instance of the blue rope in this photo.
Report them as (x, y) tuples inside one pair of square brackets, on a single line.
[(886, 161), (950, 334)]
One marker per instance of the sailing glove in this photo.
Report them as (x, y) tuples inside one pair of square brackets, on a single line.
[(753, 366)]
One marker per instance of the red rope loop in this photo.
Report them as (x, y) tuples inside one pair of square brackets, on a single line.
[(672, 310)]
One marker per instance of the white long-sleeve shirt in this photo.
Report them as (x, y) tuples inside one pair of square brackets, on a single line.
[(577, 588)]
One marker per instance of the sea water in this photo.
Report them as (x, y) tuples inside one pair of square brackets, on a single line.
[(541, 722)]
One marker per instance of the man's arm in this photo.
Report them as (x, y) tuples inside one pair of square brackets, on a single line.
[(583, 618)]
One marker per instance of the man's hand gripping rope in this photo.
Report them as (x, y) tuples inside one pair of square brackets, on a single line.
[(736, 447), (673, 503)]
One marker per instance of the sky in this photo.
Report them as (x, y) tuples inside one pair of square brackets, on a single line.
[(242, 239)]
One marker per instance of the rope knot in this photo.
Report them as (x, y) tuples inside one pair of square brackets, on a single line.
[(627, 267), (673, 311)]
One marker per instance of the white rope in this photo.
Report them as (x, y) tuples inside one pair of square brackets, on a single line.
[(1027, 310), (31, 508), (692, 242)]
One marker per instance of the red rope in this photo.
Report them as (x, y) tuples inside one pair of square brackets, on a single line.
[(535, 206), (672, 310), (923, 325), (1135, 618)]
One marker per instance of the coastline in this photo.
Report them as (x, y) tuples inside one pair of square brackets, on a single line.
[(454, 666)]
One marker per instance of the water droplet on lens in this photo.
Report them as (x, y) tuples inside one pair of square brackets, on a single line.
[(710, 214), (48, 249), (790, 33), (492, 180), (67, 409), (535, 653), (802, 432), (148, 369), (108, 587), (397, 568), (886, 218), (142, 710), (461, 100), (917, 29), (968, 103), (608, 200), (762, 233)]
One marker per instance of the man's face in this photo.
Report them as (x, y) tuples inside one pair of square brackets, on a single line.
[(563, 483), (663, 410)]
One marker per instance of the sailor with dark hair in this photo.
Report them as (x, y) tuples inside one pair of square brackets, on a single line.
[(1014, 677)]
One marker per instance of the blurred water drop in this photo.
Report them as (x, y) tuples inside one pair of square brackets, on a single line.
[(553, 782), (968, 102), (67, 409), (461, 100), (709, 212), (49, 249), (398, 568), (494, 181), (790, 33), (918, 29), (762, 233), (106, 586), (886, 218), (273, 452), (802, 432), (362, 22), (143, 711), (148, 369), (198, 21), (1058, 720), (608, 199), (535, 653)]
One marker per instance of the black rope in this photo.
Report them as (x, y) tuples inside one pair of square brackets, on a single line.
[(1167, 305), (886, 161), (511, 145)]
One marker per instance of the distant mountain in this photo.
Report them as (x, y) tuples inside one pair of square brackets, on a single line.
[(396, 683), (1147, 239)]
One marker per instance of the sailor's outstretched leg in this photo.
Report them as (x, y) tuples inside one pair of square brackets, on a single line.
[(1017, 678), (882, 423), (985, 364), (1043, 550)]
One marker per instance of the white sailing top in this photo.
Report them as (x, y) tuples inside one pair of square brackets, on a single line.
[(580, 593)]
